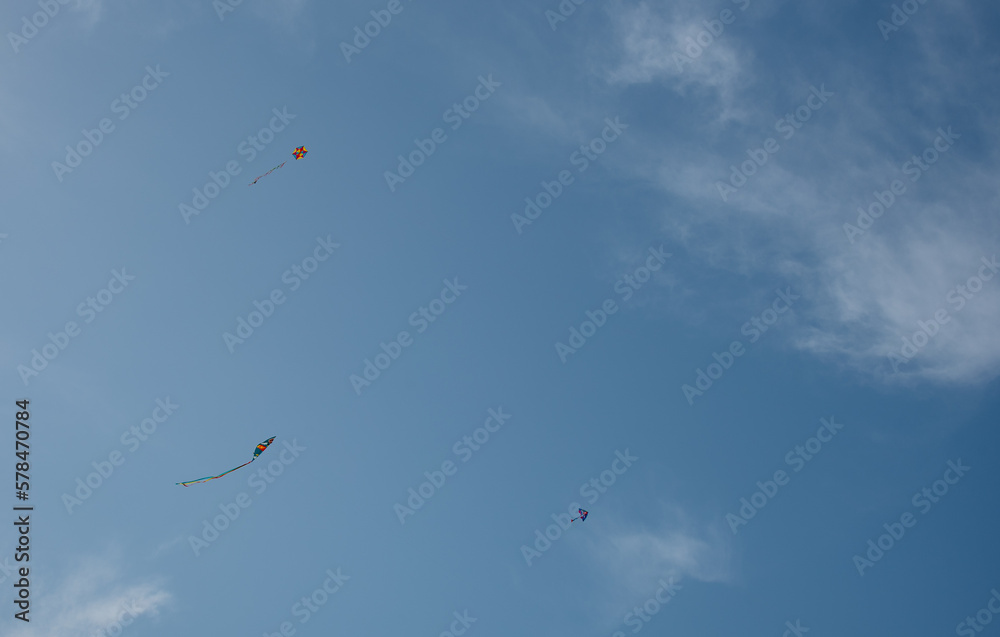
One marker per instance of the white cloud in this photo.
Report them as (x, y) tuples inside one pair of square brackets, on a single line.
[(636, 560), (657, 47), (861, 299), (646, 556), (631, 561), (786, 224), (879, 291), (92, 598)]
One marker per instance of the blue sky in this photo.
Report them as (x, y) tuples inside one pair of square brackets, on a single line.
[(751, 320)]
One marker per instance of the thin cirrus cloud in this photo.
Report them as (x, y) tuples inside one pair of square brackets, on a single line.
[(863, 296)]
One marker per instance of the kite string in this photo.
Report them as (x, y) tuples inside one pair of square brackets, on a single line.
[(268, 172), (218, 476)]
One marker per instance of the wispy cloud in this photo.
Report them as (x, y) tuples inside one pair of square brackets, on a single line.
[(663, 45), (94, 597), (635, 559), (786, 224)]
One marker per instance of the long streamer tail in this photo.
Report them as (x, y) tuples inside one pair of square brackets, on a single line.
[(190, 482)]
